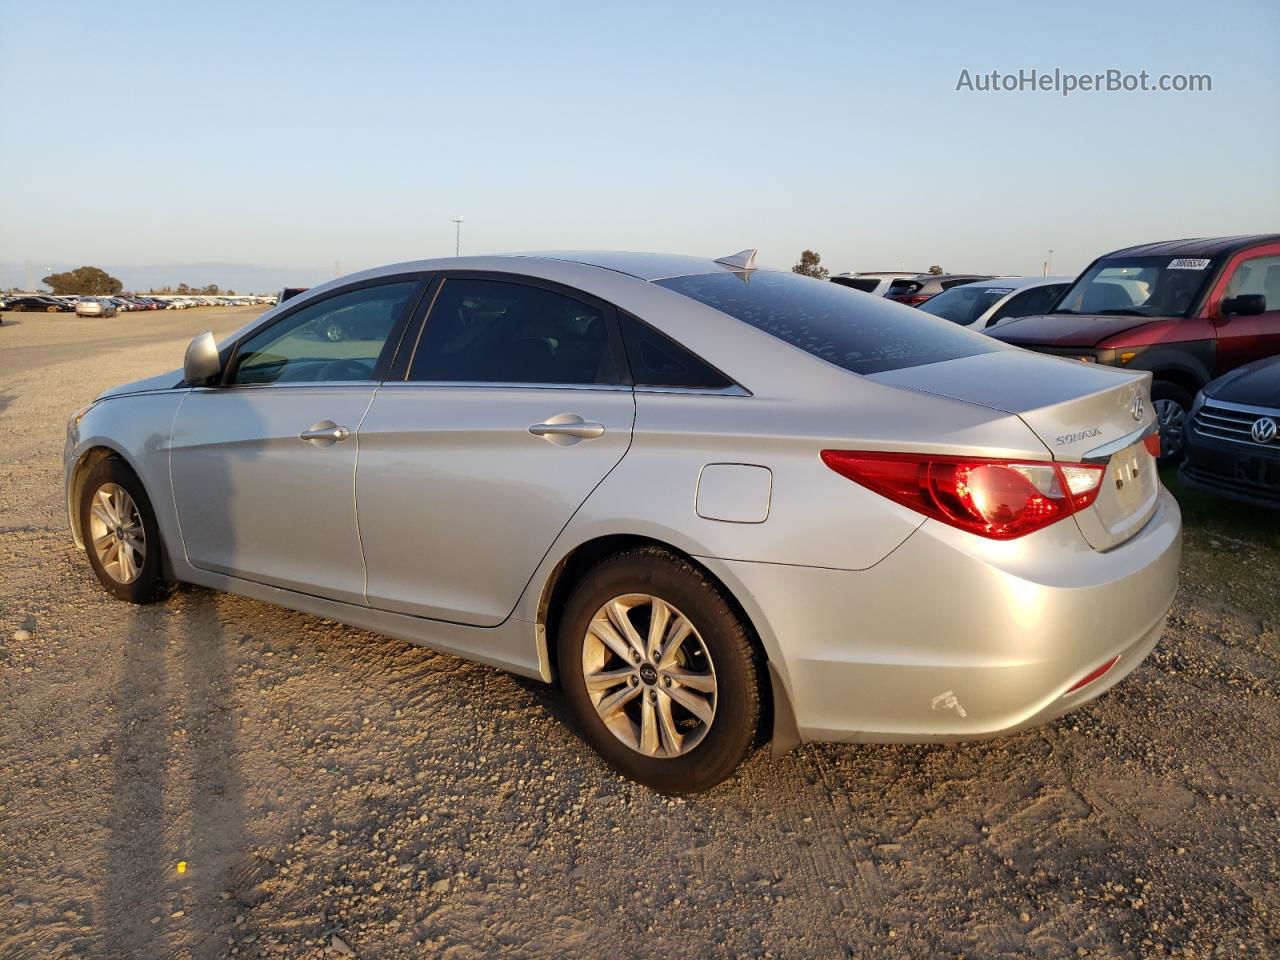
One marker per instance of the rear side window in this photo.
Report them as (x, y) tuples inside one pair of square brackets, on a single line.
[(493, 331), (860, 334), (658, 361)]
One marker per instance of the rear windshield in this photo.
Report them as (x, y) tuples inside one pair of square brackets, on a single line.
[(865, 284), (859, 333)]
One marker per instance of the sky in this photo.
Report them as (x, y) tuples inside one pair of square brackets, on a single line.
[(258, 144)]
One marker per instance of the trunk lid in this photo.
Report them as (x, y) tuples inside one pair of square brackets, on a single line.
[(1081, 412)]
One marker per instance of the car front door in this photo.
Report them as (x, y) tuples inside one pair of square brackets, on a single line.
[(263, 464), (1246, 337), (513, 407)]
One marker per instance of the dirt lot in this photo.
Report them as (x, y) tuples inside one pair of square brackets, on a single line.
[(332, 790)]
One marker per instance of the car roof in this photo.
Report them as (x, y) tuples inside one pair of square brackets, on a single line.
[(1017, 283), (1196, 247), (643, 266)]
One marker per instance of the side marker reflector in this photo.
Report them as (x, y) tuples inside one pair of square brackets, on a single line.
[(1088, 678)]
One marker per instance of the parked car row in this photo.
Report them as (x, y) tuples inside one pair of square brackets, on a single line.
[(49, 303)]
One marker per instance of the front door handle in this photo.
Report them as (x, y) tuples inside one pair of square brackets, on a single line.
[(325, 433), (567, 428)]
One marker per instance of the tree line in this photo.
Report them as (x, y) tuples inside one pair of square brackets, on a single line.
[(811, 266), (96, 282)]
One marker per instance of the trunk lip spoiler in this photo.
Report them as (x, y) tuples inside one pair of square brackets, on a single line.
[(1104, 453)]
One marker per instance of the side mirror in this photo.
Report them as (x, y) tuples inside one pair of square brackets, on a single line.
[(202, 360), (1245, 305)]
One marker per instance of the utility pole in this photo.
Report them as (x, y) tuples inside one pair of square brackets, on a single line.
[(457, 236), (1048, 264)]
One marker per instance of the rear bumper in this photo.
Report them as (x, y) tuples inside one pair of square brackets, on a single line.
[(952, 637)]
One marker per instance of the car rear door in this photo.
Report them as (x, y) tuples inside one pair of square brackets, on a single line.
[(263, 465), (512, 407), (1243, 338)]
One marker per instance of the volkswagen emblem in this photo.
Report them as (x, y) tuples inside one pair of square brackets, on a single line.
[(1138, 408), (1264, 430)]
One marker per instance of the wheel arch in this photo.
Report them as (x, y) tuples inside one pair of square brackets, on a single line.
[(85, 462), (778, 723)]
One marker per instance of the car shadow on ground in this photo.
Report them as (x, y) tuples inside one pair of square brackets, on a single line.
[(174, 683)]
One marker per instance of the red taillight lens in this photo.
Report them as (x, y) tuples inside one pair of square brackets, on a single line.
[(911, 300), (1000, 499), (1152, 443)]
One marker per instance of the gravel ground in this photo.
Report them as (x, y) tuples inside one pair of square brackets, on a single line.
[(215, 777)]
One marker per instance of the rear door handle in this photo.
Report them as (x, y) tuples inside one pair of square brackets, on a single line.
[(325, 433), (567, 428)]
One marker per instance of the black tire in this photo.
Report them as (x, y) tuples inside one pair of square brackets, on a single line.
[(738, 668), (149, 585), (1164, 393)]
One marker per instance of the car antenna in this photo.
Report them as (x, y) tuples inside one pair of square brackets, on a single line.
[(742, 260)]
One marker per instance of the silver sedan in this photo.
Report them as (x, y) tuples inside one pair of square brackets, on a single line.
[(718, 505)]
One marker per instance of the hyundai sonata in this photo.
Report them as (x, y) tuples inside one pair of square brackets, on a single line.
[(719, 505)]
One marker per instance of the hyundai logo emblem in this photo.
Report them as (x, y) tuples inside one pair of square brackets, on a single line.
[(1139, 408), (1263, 430)]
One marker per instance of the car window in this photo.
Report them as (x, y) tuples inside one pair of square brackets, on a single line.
[(901, 288), (1260, 275), (1029, 303), (1139, 286), (338, 338), (658, 361), (964, 304), (495, 331), (865, 284), (860, 334)]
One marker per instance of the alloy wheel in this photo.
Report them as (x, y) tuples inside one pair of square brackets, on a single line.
[(116, 532), (1172, 418), (649, 675)]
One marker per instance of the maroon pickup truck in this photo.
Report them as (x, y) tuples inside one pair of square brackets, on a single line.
[(1187, 310)]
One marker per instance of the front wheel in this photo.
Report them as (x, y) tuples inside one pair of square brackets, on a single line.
[(1172, 406), (660, 671), (121, 536)]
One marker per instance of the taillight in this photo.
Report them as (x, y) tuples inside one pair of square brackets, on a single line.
[(911, 300), (1000, 499), (1152, 443)]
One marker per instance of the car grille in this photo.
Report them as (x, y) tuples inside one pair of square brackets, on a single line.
[(1231, 422)]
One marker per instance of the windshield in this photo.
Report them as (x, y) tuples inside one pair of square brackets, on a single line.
[(862, 334), (1139, 286), (966, 303)]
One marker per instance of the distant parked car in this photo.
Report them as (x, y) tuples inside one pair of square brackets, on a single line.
[(95, 307), (917, 291), (38, 304), (876, 284), (1232, 440), (979, 305), (1187, 310)]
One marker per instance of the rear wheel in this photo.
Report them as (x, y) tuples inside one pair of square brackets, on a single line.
[(1172, 406), (121, 536), (659, 671)]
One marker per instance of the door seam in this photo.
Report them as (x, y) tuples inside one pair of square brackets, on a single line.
[(355, 483)]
